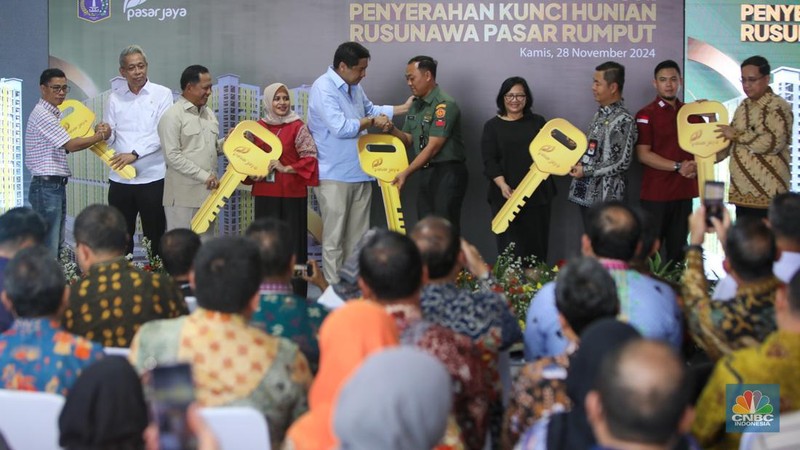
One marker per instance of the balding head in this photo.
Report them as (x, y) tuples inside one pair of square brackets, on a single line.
[(642, 395), (750, 249), (439, 245), (613, 231)]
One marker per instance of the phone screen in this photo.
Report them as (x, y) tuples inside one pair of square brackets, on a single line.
[(172, 392), (713, 195)]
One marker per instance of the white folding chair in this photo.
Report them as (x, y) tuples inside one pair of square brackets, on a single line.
[(238, 428), (117, 351), (29, 420)]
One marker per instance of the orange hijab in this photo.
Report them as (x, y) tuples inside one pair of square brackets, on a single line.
[(347, 337)]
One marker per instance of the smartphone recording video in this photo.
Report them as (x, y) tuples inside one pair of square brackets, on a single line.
[(172, 392), (713, 195)]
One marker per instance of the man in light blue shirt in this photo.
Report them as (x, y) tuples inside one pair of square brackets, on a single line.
[(613, 234), (338, 113)]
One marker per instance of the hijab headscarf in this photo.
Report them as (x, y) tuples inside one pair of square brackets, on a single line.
[(104, 408), (347, 337), (415, 398), (272, 118), (571, 430)]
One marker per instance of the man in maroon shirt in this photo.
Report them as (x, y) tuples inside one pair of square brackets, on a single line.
[(669, 179)]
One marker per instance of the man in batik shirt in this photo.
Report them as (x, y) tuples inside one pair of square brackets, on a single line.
[(35, 353)]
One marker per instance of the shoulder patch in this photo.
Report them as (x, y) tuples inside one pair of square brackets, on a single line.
[(440, 113)]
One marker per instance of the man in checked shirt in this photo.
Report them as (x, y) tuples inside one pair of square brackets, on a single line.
[(46, 147)]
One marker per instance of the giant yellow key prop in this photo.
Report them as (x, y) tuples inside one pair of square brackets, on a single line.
[(701, 139), (245, 159), (557, 147), (383, 156), (77, 120)]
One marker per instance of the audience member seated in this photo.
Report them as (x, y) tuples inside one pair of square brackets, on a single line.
[(414, 392), (114, 298), (106, 410), (585, 293), (484, 316), (347, 337), (19, 228), (775, 361), (613, 236), (641, 400), (783, 218), (178, 248), (35, 354), (720, 327), (570, 430), (233, 364), (391, 273), (280, 312)]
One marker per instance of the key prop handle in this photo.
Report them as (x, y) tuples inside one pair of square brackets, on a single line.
[(701, 139), (382, 156), (77, 120), (245, 156), (558, 146)]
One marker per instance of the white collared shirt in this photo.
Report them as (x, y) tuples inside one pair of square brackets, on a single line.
[(134, 121)]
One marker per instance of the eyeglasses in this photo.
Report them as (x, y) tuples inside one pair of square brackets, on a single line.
[(515, 97), (56, 88), (751, 80)]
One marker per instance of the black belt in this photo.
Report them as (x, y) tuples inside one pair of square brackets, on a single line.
[(53, 179), (432, 164)]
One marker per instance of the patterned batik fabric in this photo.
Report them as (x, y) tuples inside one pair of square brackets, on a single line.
[(36, 355), (115, 298), (720, 327), (233, 364)]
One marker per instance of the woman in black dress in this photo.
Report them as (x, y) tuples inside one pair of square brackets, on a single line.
[(506, 161)]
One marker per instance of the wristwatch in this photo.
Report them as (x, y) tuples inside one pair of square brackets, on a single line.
[(677, 166), (137, 155)]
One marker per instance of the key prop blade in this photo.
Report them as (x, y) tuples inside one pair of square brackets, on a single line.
[(245, 156), (701, 139), (382, 156), (77, 120)]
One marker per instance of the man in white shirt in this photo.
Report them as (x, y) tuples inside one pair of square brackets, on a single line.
[(133, 111)]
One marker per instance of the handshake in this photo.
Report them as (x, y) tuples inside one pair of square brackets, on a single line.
[(383, 122)]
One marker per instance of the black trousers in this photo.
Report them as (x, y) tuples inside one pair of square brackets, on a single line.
[(671, 219), (145, 200), (744, 211), (293, 211), (441, 191)]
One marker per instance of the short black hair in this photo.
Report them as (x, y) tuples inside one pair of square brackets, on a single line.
[(649, 235), (102, 228), (585, 292), (227, 274), (750, 248), (439, 244), (758, 61), (613, 230), (391, 265), (349, 53), (613, 72), (274, 239), (191, 75), (49, 74), (34, 282), (178, 248), (666, 64), (18, 225), (425, 63), (506, 86), (646, 414), (784, 216)]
